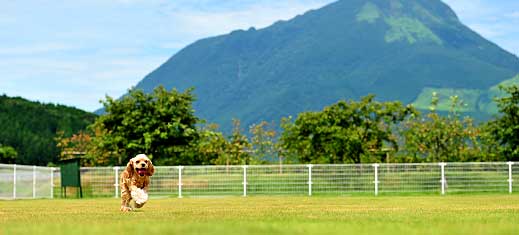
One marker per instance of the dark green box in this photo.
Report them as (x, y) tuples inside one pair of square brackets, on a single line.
[(70, 175)]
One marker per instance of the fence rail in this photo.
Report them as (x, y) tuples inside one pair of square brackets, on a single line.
[(18, 182)]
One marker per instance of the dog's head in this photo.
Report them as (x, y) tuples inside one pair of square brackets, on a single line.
[(140, 165)]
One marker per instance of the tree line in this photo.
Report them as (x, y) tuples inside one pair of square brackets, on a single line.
[(28, 129), (163, 125)]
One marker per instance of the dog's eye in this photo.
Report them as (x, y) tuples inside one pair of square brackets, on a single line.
[(138, 161)]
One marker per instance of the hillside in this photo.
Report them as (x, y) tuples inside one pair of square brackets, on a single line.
[(477, 102), (398, 50), (30, 127)]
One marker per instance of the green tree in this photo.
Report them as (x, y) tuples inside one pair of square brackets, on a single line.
[(212, 145), (488, 149), (30, 127), (505, 129), (8, 154), (346, 132), (160, 124), (76, 146), (443, 138), (263, 141), (237, 149)]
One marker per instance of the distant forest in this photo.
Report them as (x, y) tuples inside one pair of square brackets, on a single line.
[(31, 127), (163, 125)]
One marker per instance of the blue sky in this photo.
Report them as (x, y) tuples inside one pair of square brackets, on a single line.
[(76, 52)]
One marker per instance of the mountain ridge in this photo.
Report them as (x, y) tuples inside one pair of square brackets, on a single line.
[(344, 50)]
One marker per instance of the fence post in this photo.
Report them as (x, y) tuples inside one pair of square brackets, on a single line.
[(52, 182), (442, 166), (510, 179), (180, 181), (245, 180), (376, 178), (14, 181), (309, 179), (33, 181), (116, 184)]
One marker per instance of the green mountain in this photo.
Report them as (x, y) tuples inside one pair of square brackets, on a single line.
[(30, 128), (396, 49), (477, 102)]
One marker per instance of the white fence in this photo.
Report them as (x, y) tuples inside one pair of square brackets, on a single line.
[(371, 179), (17, 181)]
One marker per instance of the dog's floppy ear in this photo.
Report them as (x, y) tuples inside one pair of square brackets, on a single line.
[(130, 168), (151, 169)]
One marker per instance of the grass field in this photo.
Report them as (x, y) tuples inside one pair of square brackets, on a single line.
[(459, 214)]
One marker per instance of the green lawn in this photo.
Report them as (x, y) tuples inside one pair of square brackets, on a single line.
[(453, 214)]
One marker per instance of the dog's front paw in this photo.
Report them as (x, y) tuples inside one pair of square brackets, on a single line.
[(125, 208)]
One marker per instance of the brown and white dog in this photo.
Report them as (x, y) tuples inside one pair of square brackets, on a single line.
[(135, 180)]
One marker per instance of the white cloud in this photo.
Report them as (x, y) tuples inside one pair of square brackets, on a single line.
[(470, 9), (492, 19), (99, 47), (194, 23), (175, 45), (490, 30), (81, 83), (258, 16), (33, 49), (513, 15), (75, 52), (33, 67), (7, 20)]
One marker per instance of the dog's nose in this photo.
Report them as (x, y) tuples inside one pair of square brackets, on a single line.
[(143, 165)]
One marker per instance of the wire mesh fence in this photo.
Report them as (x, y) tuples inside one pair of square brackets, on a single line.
[(281, 180), (208, 181), (18, 182), (409, 178), (477, 177), (345, 179), (99, 181), (342, 179), (165, 181)]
